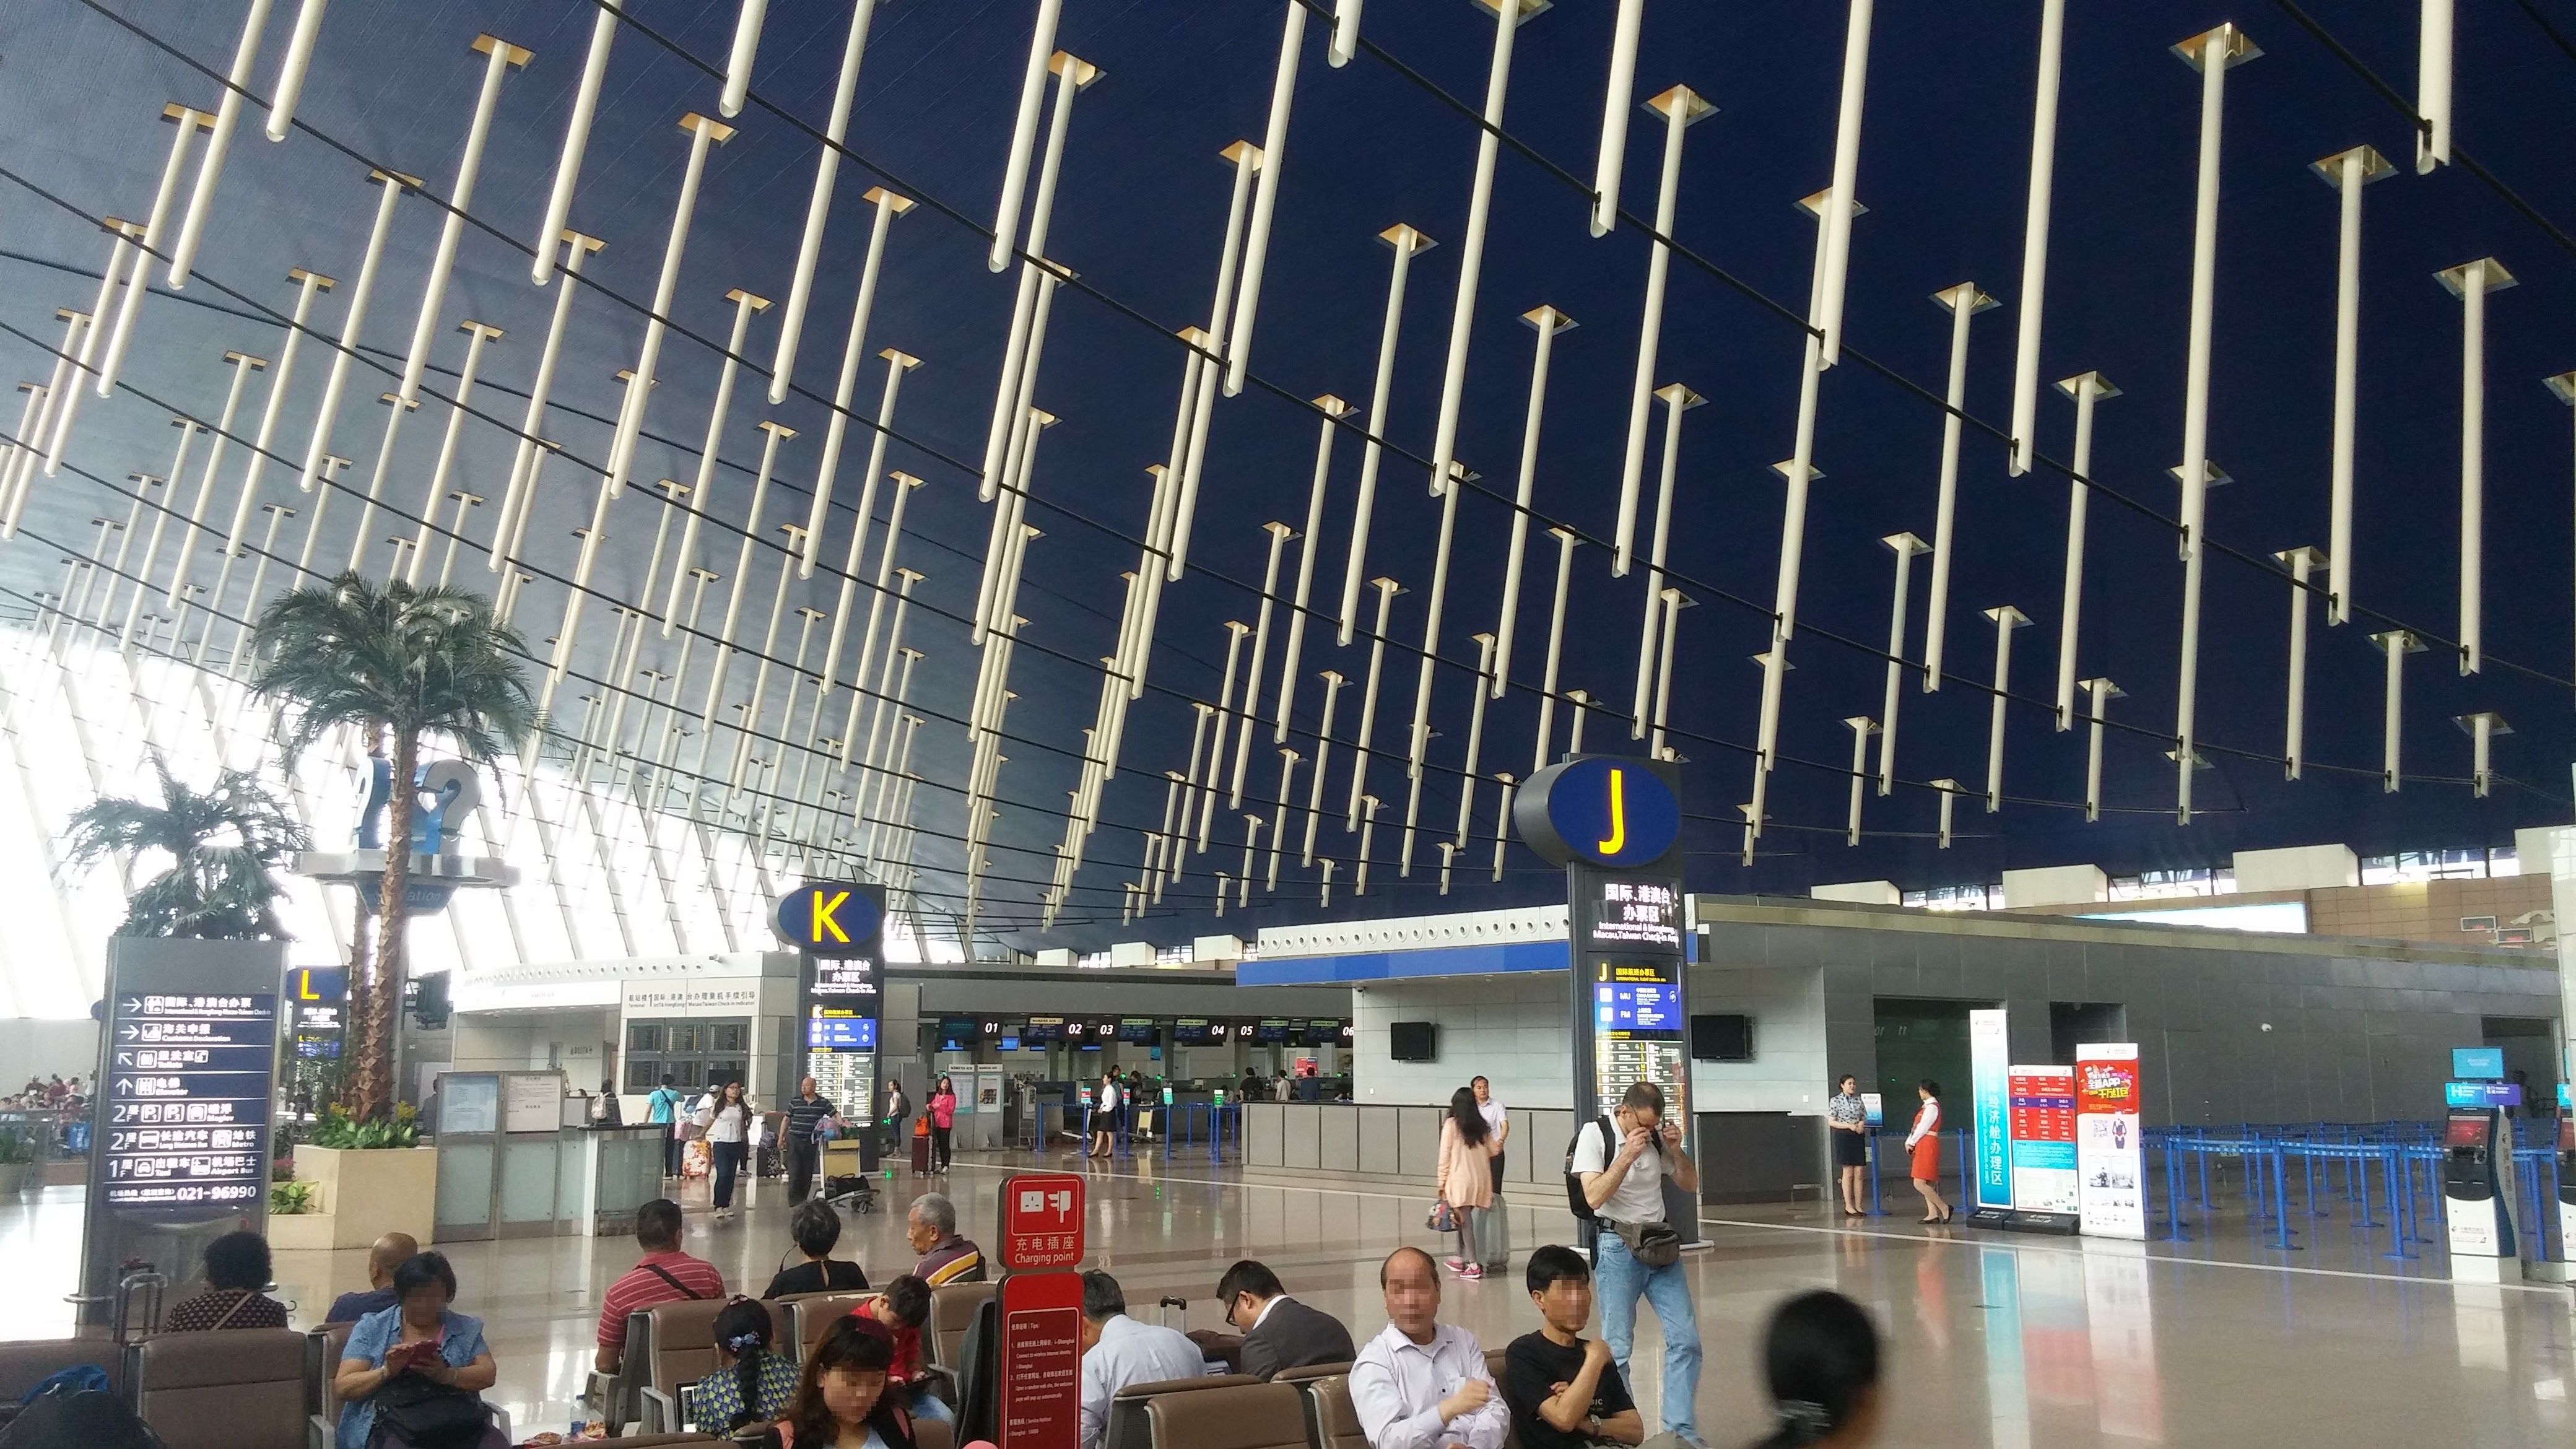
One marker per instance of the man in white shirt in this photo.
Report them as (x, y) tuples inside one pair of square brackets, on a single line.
[(1118, 1351), (1624, 1183), (1423, 1384)]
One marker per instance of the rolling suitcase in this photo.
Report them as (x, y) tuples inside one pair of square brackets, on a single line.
[(921, 1147)]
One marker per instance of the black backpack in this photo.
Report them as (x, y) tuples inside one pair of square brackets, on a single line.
[(83, 1420), (1580, 1205)]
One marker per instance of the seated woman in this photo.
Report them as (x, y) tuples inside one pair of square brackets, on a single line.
[(236, 1271), (842, 1400), (816, 1227), (413, 1374), (751, 1385)]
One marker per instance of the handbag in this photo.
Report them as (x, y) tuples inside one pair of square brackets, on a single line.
[(428, 1415), (1653, 1245), (1444, 1218)]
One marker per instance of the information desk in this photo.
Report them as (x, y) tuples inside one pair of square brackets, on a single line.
[(507, 1168)]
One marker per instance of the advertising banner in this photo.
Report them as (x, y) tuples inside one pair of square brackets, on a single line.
[(2109, 1166), (2043, 1139), (1989, 1066)]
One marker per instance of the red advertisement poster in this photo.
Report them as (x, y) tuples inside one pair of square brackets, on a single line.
[(1042, 1217), (1041, 1379), (2109, 1163)]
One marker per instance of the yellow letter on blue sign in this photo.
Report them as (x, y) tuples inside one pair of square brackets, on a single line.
[(1618, 840), (822, 919)]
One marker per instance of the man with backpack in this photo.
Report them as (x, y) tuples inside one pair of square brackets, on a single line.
[(1614, 1177)]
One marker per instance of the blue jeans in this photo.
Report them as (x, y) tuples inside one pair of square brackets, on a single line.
[(728, 1162), (927, 1405), (1620, 1280)]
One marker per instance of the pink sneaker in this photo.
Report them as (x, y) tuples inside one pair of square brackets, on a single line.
[(1459, 1266), (1471, 1272)]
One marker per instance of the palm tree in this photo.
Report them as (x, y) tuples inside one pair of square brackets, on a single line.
[(222, 844), (396, 663)]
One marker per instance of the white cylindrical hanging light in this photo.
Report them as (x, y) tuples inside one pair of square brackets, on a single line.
[(1615, 98), (1323, 757), (904, 483), (243, 365), (351, 325), (210, 166), (1949, 800), (1680, 107), (2103, 691), (1827, 315), (2470, 282), (155, 230), (1011, 385), (585, 105), (745, 306), (1407, 243), (1309, 543), (703, 132), (524, 453), (1387, 589), (2034, 240), (2433, 89), (1508, 15), (1547, 322), (1247, 159), (2563, 386), (307, 285), (888, 207), (746, 44), (2396, 644), (477, 334), (2482, 729), (395, 410), (1265, 203), (1279, 533), (1346, 43), (2348, 172), (2087, 388), (809, 248), (2302, 562), (501, 57), (283, 96), (741, 564), (1963, 301), (2212, 53), (2005, 619), (1674, 602), (1475, 740), (1677, 400), (1905, 546), (1862, 727), (1024, 134), (1555, 647), (78, 381)]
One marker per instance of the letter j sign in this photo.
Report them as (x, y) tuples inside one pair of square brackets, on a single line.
[(832, 918), (1607, 810)]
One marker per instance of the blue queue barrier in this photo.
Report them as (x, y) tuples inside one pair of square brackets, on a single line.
[(1193, 1123), (2406, 1154)]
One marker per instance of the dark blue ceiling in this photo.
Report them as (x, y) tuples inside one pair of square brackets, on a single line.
[(1143, 202)]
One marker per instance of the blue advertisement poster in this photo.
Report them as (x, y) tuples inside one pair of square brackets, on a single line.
[(1990, 1068)]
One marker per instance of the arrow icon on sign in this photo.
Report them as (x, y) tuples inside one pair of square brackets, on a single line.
[(125, 1059), (124, 1088), (132, 1006), (125, 1033)]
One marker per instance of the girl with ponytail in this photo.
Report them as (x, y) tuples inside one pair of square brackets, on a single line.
[(751, 1385), (1820, 1358)]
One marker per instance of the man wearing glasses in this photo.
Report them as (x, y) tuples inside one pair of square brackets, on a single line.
[(1278, 1332)]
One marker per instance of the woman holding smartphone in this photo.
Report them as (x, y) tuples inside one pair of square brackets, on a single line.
[(415, 1364)]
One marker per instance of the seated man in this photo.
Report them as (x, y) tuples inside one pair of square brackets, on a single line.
[(931, 1227), (1422, 1384), (1118, 1351), (390, 1252), (664, 1274), (1278, 1331), (1562, 1388)]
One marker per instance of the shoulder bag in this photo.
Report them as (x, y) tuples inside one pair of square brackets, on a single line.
[(414, 1411)]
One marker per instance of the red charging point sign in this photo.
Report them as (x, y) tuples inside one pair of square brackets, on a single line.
[(1042, 1221), (1041, 1312)]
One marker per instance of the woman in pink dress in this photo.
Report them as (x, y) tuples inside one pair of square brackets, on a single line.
[(943, 1122)]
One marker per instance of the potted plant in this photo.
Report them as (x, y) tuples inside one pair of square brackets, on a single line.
[(223, 845), (397, 664)]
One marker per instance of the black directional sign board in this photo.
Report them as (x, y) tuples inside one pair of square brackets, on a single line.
[(187, 1100)]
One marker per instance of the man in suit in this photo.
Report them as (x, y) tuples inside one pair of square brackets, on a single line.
[(1278, 1331)]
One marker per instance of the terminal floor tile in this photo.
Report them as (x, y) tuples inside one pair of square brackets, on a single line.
[(1999, 1341)]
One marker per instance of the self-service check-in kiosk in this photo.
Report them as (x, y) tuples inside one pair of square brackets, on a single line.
[(2477, 1184)]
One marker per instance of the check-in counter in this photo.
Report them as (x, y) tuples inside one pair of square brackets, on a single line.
[(1391, 1141), (509, 1168)]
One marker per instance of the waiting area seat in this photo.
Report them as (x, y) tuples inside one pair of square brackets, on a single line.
[(810, 1315), (25, 1363), (1130, 1425), (242, 1388), (324, 1347), (1333, 1422), (1227, 1415), (952, 1313)]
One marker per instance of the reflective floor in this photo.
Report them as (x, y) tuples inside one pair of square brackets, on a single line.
[(1997, 1341)]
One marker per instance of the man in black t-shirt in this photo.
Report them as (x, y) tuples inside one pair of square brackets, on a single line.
[(1562, 1388), (804, 1111)]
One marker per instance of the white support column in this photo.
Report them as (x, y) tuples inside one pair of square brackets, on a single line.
[(189, 122), (888, 207), (1024, 134), (1547, 322), (501, 57), (307, 286), (2005, 619), (1834, 260), (477, 334), (2348, 172), (1279, 816), (2212, 53), (1963, 301), (809, 248), (2563, 386), (745, 306), (1508, 15), (1905, 546), (905, 484), (2302, 562), (1677, 399), (1862, 727), (2470, 282), (1323, 757), (1555, 647), (703, 132), (100, 310), (1265, 203), (1475, 740), (2433, 87), (210, 166), (2034, 243), (1279, 533), (585, 105), (1616, 96), (1674, 602), (1027, 337), (1407, 243), (2396, 644), (394, 185), (2102, 691), (1387, 589), (2087, 388), (1680, 107), (2482, 729), (1949, 800), (243, 365), (1309, 543)]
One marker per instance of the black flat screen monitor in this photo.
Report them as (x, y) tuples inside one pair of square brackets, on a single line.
[(1721, 1038), (1413, 1041)]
